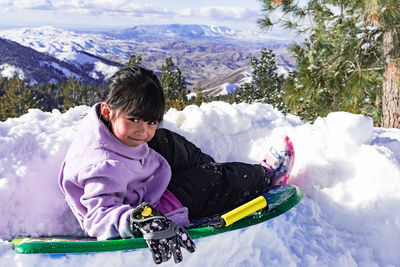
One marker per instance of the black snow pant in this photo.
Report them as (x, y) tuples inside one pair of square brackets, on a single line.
[(202, 185)]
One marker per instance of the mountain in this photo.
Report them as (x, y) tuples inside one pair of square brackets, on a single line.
[(174, 31), (228, 83), (201, 33), (36, 67), (203, 53)]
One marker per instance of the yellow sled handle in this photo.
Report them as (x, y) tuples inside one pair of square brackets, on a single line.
[(243, 210)]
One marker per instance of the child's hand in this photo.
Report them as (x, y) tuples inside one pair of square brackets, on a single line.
[(163, 237)]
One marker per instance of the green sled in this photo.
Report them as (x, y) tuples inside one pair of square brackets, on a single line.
[(279, 198)]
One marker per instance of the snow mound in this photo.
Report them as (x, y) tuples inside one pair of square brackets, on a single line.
[(348, 170)]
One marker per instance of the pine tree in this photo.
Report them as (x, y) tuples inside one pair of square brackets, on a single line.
[(200, 96), (174, 85), (385, 16), (350, 61), (51, 95), (134, 60), (75, 93), (265, 85), (327, 80), (17, 98)]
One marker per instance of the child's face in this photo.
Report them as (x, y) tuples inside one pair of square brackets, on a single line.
[(132, 131)]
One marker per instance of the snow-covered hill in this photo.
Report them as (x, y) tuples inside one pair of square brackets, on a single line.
[(205, 33), (203, 53), (348, 170), (36, 67), (77, 51), (63, 44)]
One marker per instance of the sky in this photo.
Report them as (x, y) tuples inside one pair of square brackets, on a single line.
[(108, 14)]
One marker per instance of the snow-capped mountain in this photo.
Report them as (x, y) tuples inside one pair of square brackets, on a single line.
[(203, 53), (174, 31), (79, 50), (205, 33), (36, 67)]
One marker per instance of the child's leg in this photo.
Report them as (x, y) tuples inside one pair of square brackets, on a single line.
[(215, 188), (205, 187), (179, 152)]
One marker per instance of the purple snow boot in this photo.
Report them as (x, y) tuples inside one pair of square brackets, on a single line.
[(278, 162)]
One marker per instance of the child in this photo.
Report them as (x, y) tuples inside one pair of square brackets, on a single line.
[(122, 172)]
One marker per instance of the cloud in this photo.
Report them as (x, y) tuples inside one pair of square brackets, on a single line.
[(221, 13), (92, 7), (129, 9), (4, 3), (27, 4)]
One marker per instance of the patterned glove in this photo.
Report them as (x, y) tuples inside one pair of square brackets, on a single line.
[(163, 237)]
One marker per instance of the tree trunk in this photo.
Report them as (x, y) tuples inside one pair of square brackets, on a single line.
[(390, 86)]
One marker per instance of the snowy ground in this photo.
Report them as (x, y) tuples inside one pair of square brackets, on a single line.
[(348, 170)]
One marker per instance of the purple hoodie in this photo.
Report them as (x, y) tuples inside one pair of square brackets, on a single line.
[(104, 180)]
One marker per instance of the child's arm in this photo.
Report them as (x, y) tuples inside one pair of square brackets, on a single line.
[(107, 216), (102, 196), (104, 189)]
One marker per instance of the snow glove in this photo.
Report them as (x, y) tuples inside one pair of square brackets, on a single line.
[(163, 237)]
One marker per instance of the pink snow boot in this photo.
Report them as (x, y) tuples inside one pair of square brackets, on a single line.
[(278, 162)]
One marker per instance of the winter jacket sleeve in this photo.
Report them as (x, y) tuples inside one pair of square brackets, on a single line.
[(103, 197)]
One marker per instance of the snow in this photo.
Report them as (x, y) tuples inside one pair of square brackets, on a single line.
[(66, 72), (348, 169), (228, 88), (105, 69), (8, 71)]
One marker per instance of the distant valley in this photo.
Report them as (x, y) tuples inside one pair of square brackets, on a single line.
[(214, 57)]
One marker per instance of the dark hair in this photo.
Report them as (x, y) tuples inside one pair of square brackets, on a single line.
[(137, 92)]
